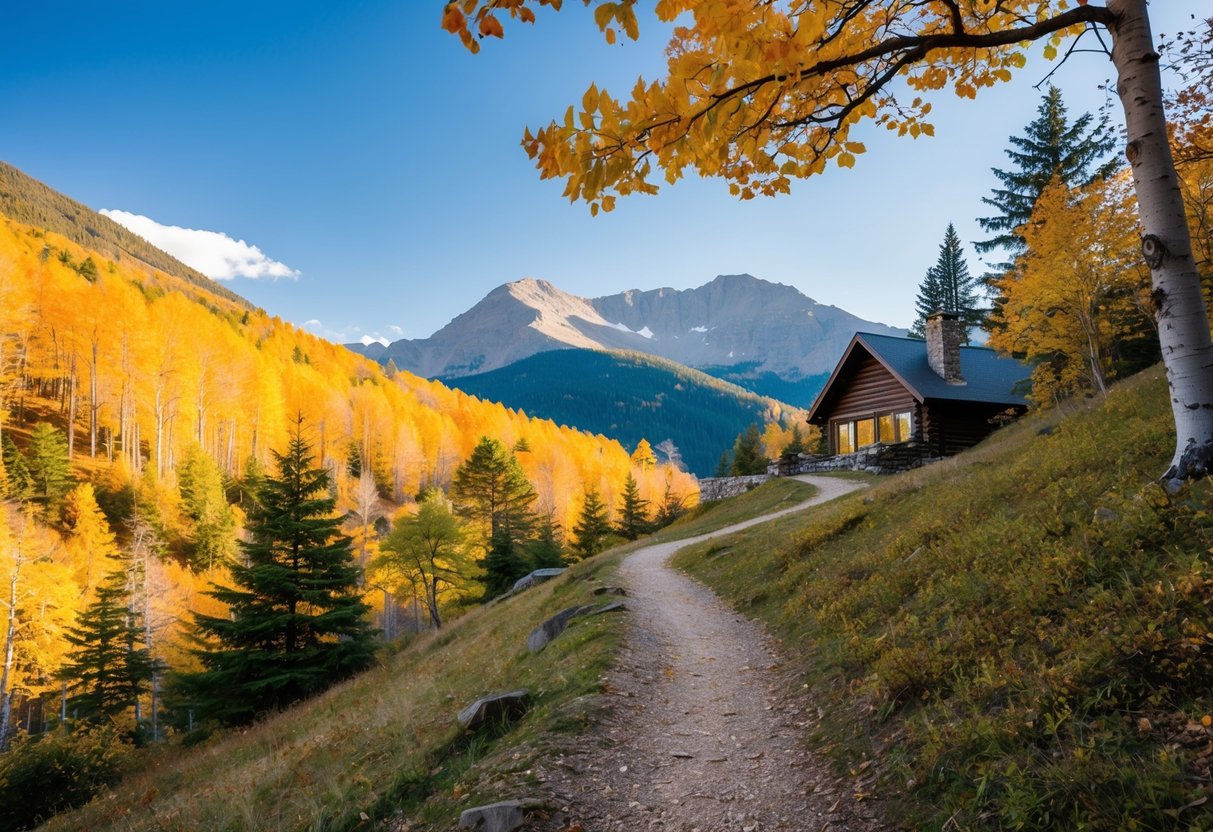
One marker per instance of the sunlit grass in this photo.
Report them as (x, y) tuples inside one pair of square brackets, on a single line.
[(993, 629)]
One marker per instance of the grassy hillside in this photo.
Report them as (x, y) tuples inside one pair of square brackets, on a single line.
[(28, 201), (628, 397), (385, 744), (1019, 638)]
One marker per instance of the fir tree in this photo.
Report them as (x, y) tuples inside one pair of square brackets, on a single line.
[(296, 623), (490, 488), (503, 564), (49, 468), (672, 506), (747, 454), (796, 443), (633, 511), (547, 550), (20, 484), (213, 536), (593, 528), (724, 467), (948, 287), (109, 667), (1077, 152)]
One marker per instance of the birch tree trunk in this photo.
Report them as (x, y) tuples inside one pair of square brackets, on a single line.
[(1179, 307), (10, 638)]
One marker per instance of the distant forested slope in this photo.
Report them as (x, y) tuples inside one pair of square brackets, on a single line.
[(29, 201), (799, 393), (629, 397)]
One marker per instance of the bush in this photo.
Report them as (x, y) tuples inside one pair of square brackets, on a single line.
[(46, 774)]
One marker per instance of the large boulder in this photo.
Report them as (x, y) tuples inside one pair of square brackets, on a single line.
[(542, 635), (494, 707), (536, 577)]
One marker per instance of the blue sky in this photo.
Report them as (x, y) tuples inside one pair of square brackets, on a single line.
[(362, 148)]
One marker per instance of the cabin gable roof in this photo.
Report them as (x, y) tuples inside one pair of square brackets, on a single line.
[(989, 377)]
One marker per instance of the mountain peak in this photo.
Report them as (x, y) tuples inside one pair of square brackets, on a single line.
[(735, 319)]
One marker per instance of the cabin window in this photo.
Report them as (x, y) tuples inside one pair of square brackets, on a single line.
[(865, 433), (846, 437), (886, 427)]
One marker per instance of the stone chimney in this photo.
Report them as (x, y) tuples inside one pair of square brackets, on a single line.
[(945, 333)]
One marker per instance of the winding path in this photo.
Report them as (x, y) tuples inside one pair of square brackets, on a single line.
[(705, 732)]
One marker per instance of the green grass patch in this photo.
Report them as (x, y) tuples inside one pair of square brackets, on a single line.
[(1018, 638), (385, 745)]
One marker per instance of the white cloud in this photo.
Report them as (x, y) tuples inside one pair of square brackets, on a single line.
[(213, 253), (396, 330), (313, 322)]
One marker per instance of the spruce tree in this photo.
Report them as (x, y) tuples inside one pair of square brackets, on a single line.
[(724, 467), (748, 458), (20, 484), (296, 622), (213, 536), (490, 488), (1077, 152), (547, 550), (109, 667), (796, 443), (593, 528), (948, 287), (49, 468), (633, 511), (672, 506)]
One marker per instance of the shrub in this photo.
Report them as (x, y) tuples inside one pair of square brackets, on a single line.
[(46, 774)]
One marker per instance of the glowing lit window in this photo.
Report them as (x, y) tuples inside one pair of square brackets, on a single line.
[(887, 428), (865, 432), (905, 427), (846, 441)]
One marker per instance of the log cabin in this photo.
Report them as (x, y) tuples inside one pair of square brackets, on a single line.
[(935, 392)]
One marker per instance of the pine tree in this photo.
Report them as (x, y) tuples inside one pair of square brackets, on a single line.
[(547, 550), (796, 443), (1077, 153), (747, 454), (20, 485), (490, 488), (593, 528), (109, 668), (948, 287), (633, 511), (503, 564), (672, 506), (213, 536), (724, 467), (49, 468), (296, 623)]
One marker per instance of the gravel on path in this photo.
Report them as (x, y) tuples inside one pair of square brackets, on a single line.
[(704, 730)]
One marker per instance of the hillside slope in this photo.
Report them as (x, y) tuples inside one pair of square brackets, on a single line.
[(382, 751), (29, 201), (629, 397), (1018, 638)]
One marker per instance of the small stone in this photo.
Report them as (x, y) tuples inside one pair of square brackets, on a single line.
[(682, 755)]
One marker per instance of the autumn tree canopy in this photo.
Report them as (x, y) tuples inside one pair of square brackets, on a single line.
[(759, 93)]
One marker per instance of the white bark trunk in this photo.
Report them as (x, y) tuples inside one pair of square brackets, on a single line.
[(1183, 322), (10, 638)]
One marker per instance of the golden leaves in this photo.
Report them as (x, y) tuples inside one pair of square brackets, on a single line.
[(758, 93)]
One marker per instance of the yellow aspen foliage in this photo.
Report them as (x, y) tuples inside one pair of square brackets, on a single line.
[(92, 550), (1079, 295)]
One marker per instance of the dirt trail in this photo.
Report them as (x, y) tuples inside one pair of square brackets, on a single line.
[(704, 731)]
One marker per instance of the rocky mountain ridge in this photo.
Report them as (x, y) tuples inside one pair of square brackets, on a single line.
[(731, 320)]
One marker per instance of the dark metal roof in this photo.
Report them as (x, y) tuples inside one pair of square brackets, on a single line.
[(989, 378)]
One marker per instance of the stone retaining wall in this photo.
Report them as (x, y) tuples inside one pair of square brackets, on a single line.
[(874, 459), (717, 488)]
